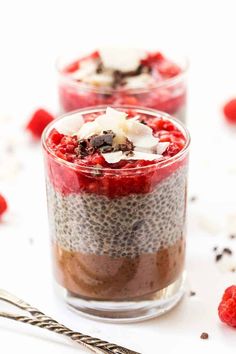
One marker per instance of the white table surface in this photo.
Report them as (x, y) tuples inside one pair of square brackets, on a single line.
[(32, 34)]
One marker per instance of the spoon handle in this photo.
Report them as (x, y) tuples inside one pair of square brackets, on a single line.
[(39, 319)]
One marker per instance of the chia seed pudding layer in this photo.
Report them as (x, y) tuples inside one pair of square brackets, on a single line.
[(126, 226)]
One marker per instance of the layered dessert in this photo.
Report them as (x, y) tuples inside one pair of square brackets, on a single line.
[(116, 187), (124, 77)]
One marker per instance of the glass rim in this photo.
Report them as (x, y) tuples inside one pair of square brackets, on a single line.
[(109, 90), (109, 170)]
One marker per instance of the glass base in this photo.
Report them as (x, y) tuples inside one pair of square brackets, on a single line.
[(127, 311)]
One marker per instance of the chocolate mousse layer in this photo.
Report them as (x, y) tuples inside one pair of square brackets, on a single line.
[(101, 277)]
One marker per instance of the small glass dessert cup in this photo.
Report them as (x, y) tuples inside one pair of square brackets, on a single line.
[(124, 77), (116, 188)]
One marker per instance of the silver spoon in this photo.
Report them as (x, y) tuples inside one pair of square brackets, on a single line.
[(39, 319)]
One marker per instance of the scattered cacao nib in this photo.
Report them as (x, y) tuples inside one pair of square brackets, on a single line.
[(232, 236), (119, 76), (100, 68), (106, 148), (233, 270), (227, 251), (204, 335), (193, 198), (84, 148), (218, 257), (126, 146), (215, 249), (129, 153), (143, 122), (118, 79), (109, 132), (192, 293)]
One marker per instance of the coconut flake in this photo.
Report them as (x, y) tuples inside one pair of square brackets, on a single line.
[(161, 147), (117, 156), (89, 129), (139, 81), (87, 68), (139, 155), (70, 125), (99, 79), (113, 157), (123, 59), (141, 135)]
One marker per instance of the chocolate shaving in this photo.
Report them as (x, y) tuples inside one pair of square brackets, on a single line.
[(127, 146), (84, 148), (119, 76), (98, 141)]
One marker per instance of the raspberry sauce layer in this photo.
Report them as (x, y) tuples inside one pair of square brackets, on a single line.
[(93, 174)]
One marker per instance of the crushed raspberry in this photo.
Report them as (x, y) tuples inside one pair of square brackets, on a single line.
[(3, 205), (230, 111), (80, 178), (227, 307), (39, 120)]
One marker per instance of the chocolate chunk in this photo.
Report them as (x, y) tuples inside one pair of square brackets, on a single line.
[(218, 257), (204, 335), (84, 148), (98, 141), (126, 146), (227, 251)]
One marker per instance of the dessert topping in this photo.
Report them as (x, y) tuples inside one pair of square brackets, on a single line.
[(115, 67), (122, 59), (115, 135), (70, 125)]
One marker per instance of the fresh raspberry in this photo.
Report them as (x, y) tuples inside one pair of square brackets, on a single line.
[(227, 307), (39, 120), (3, 205), (230, 111)]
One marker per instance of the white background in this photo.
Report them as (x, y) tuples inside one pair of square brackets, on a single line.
[(32, 35)]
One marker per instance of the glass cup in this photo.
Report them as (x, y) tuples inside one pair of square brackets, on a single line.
[(118, 235), (168, 96)]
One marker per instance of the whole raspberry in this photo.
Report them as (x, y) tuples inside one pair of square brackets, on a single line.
[(39, 120), (230, 111), (3, 205), (227, 307)]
